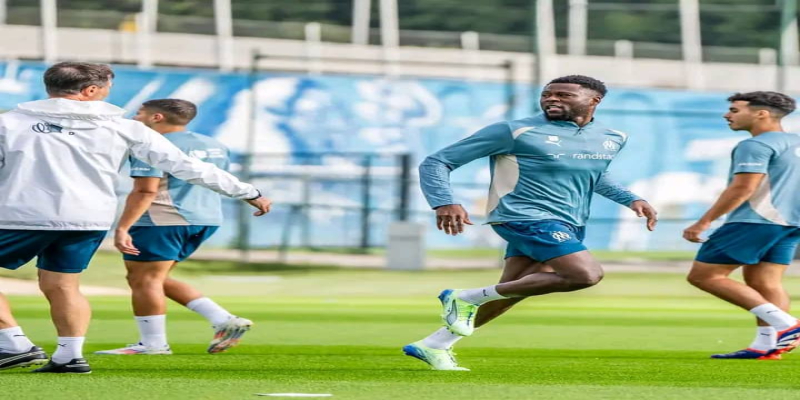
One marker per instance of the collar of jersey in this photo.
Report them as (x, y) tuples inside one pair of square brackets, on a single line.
[(571, 124)]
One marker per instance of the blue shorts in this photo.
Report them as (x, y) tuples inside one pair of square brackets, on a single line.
[(57, 251), (541, 240), (741, 243), (165, 243)]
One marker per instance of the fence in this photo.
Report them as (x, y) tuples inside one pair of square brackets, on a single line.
[(123, 19), (346, 201)]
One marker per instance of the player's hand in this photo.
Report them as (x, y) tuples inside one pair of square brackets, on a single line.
[(452, 218), (644, 209), (124, 242), (263, 205), (693, 232)]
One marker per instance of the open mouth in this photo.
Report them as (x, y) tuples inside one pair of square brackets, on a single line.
[(553, 108)]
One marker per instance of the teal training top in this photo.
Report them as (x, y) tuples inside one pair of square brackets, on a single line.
[(541, 169), (179, 202), (777, 200)]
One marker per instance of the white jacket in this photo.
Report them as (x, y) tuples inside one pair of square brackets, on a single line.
[(60, 160)]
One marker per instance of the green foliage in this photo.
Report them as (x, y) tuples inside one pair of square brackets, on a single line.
[(755, 23)]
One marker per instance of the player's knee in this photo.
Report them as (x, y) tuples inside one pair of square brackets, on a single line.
[(697, 279), (764, 286), (586, 278), (142, 280), (50, 287)]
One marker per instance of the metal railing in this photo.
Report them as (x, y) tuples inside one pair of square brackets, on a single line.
[(125, 20)]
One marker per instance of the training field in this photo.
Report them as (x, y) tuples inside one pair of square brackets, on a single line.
[(636, 336)]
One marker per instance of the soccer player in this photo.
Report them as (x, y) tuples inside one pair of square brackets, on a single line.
[(544, 171), (165, 220), (762, 231), (59, 162)]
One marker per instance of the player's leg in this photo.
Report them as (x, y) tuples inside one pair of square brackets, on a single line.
[(436, 348), (714, 279), (228, 328), (6, 318), (191, 298), (159, 248), (16, 350), (146, 280), (60, 265), (745, 244), (571, 272), (515, 268), (766, 278), (555, 242)]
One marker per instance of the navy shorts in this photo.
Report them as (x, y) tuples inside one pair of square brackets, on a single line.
[(57, 251), (742, 243), (541, 240), (165, 243)]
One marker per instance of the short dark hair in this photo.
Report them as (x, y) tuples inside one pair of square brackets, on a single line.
[(175, 111), (777, 103), (584, 81), (71, 77)]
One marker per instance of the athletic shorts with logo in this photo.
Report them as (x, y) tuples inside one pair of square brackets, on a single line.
[(541, 240), (57, 251), (743, 243), (168, 243)]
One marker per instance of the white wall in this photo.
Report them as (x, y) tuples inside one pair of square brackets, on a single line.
[(17, 41)]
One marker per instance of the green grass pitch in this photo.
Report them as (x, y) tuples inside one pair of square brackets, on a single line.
[(635, 336)]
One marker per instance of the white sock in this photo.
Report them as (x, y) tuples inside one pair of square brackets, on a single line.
[(766, 339), (774, 316), (481, 295), (153, 330), (441, 339), (210, 310), (13, 340), (68, 349)]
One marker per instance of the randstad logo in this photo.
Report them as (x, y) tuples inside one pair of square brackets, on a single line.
[(610, 145), (592, 156)]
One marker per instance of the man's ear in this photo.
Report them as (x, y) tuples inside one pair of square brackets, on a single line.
[(90, 91), (764, 114)]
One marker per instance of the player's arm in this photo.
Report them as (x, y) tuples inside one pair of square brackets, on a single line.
[(617, 193), (750, 163), (434, 172), (740, 190), (139, 200), (152, 148)]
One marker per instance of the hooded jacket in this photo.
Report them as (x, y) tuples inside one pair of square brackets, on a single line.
[(60, 160)]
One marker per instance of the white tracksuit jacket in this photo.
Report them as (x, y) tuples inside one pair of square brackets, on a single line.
[(60, 160)]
